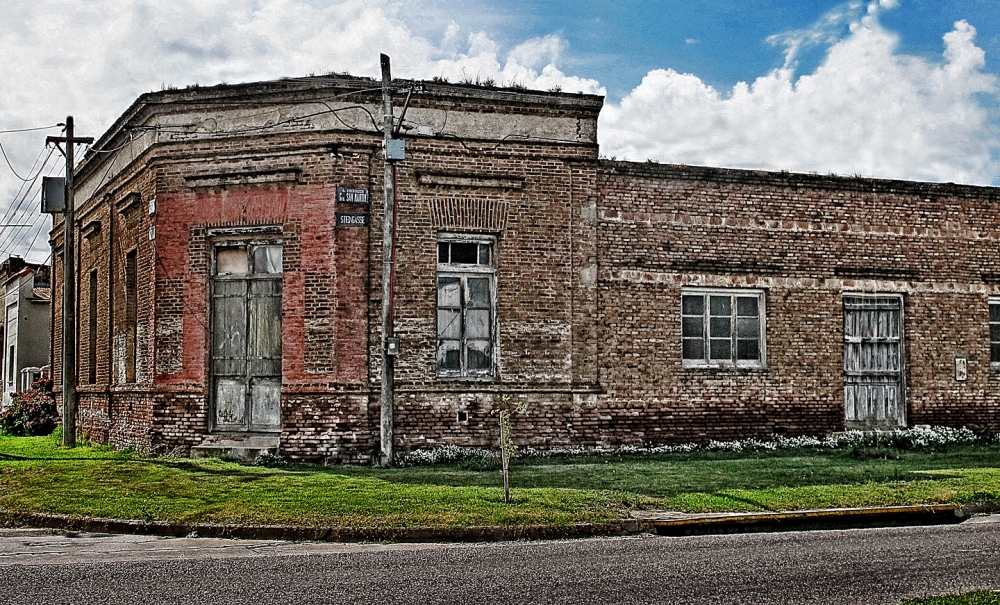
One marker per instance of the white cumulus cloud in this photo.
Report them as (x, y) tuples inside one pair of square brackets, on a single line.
[(867, 109), (92, 59)]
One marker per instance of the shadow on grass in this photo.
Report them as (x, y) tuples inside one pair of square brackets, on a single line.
[(243, 474), (667, 477), (185, 465), (756, 504)]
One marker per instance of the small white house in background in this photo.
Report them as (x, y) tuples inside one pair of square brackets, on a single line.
[(27, 297)]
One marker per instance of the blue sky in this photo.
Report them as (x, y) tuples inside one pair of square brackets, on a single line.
[(904, 89), (723, 42)]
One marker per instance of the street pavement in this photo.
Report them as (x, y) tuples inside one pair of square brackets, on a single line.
[(869, 566)]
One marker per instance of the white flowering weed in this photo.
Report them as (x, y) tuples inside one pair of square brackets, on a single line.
[(911, 438)]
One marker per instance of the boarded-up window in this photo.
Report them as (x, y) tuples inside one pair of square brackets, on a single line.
[(131, 314), (466, 289), (92, 329), (722, 328)]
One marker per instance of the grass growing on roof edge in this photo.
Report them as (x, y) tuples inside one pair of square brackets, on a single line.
[(36, 474)]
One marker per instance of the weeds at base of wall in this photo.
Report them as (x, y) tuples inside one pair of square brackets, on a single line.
[(270, 459), (862, 444)]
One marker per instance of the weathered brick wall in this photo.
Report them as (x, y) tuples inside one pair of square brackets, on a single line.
[(92, 414), (287, 176), (590, 261), (324, 334), (535, 208), (942, 325), (333, 424), (107, 227), (178, 419), (806, 241), (132, 420)]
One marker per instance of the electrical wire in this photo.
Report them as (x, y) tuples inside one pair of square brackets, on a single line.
[(37, 229), (185, 129), (111, 165), (23, 194), (20, 188), (131, 139), (517, 137), (11, 214), (11, 166), (30, 129)]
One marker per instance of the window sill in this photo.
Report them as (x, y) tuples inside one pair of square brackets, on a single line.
[(466, 379), (726, 369)]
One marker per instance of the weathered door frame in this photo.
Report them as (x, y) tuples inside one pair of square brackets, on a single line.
[(234, 237), (898, 300)]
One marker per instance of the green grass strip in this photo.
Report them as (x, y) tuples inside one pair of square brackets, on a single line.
[(37, 474)]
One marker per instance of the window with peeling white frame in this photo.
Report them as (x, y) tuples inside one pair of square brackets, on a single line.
[(466, 291), (722, 328)]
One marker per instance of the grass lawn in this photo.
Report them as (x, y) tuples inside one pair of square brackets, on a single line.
[(39, 475), (971, 598)]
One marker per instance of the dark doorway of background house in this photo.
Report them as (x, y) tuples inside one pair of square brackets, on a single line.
[(246, 338), (873, 362)]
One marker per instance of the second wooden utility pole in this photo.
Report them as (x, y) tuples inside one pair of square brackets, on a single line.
[(388, 394), (69, 288)]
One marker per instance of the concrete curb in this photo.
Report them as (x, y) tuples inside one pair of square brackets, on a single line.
[(624, 527), (662, 523), (680, 524)]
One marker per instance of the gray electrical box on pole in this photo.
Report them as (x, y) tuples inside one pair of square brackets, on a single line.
[(53, 194)]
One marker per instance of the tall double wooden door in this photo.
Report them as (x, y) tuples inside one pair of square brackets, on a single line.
[(874, 386), (246, 338)]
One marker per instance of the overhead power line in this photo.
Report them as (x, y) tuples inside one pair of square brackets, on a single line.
[(31, 129)]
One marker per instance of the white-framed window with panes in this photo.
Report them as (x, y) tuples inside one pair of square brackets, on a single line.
[(994, 304), (723, 327), (466, 306)]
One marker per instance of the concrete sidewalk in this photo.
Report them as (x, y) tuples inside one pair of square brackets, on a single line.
[(664, 523)]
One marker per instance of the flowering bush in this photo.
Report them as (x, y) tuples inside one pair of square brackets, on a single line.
[(32, 412), (913, 438), (450, 454)]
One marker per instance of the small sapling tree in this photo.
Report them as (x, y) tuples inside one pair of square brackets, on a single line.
[(507, 446)]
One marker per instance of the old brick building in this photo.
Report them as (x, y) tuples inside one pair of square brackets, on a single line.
[(230, 268)]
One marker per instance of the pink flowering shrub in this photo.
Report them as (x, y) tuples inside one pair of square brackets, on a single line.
[(32, 412)]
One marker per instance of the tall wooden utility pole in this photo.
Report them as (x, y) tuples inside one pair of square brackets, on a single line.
[(388, 394), (69, 288)]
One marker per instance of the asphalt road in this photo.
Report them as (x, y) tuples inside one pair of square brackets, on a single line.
[(868, 566)]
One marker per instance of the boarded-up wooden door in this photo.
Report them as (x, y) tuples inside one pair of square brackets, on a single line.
[(873, 362), (246, 338)]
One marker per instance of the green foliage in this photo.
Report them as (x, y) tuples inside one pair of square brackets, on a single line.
[(32, 412)]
